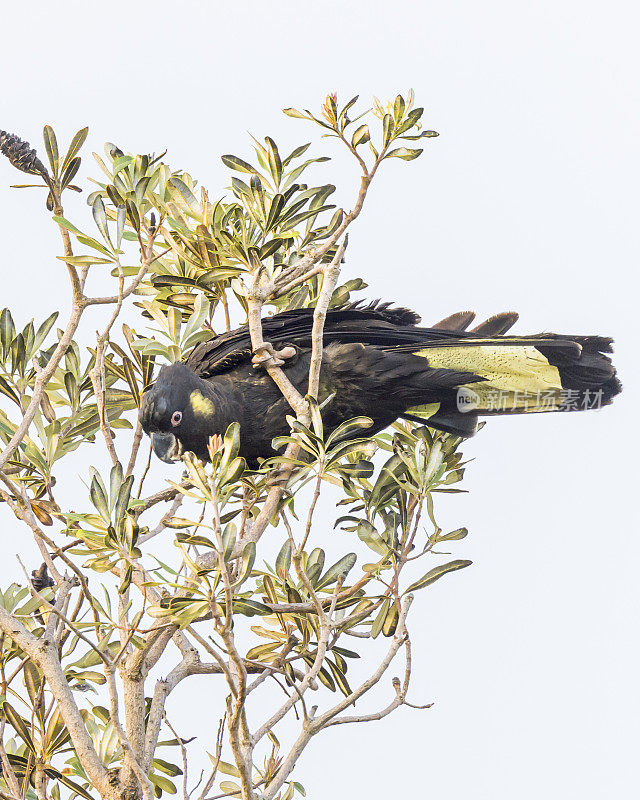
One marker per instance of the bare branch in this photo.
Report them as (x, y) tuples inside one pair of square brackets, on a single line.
[(330, 279), (135, 448), (115, 298), (312, 726)]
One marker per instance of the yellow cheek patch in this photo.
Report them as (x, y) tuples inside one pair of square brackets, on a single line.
[(200, 405)]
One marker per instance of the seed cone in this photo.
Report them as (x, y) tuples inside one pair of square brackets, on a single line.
[(40, 578), (21, 154)]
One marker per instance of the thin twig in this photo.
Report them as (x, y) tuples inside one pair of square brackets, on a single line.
[(135, 447)]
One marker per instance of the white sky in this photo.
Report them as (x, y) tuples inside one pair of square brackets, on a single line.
[(527, 201)]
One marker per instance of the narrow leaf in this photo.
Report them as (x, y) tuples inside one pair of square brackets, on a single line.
[(100, 217), (339, 570), (436, 573), (51, 146), (76, 143), (361, 136), (405, 153), (233, 162), (283, 561)]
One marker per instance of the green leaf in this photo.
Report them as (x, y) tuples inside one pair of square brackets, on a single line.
[(71, 386), (325, 678), (316, 416), (66, 224), (386, 484), (121, 218), (261, 651), (388, 126), (390, 621), (174, 323), (123, 497), (250, 607), (293, 112), (32, 682), (84, 261), (283, 560), (186, 195), (7, 328), (240, 188), (231, 444), (347, 106), (228, 540), (199, 315), (361, 136), (405, 153), (70, 172), (344, 652), (166, 767), (141, 188), (86, 675), (349, 427), (99, 498), (19, 725), (315, 564), (313, 212), (295, 173), (436, 573), (274, 740), (270, 248), (381, 616), (277, 205), (74, 787), (299, 151), (76, 143), (100, 218), (115, 483), (460, 533), (173, 280), (248, 559), (233, 162), (134, 218), (370, 536), (57, 735), (43, 330), (230, 788), (410, 121), (339, 570), (162, 783), (224, 767), (275, 165), (51, 146), (339, 677), (8, 391), (120, 163)]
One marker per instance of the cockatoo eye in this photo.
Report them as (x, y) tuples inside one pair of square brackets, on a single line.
[(176, 418)]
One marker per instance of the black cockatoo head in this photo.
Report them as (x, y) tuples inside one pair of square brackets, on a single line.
[(178, 413)]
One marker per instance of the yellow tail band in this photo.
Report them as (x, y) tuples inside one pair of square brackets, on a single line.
[(516, 377)]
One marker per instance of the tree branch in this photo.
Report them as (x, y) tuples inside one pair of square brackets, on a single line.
[(45, 656), (329, 281)]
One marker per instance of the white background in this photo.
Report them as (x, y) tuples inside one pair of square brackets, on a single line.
[(527, 201)]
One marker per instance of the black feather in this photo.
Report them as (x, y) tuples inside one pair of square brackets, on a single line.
[(376, 362)]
